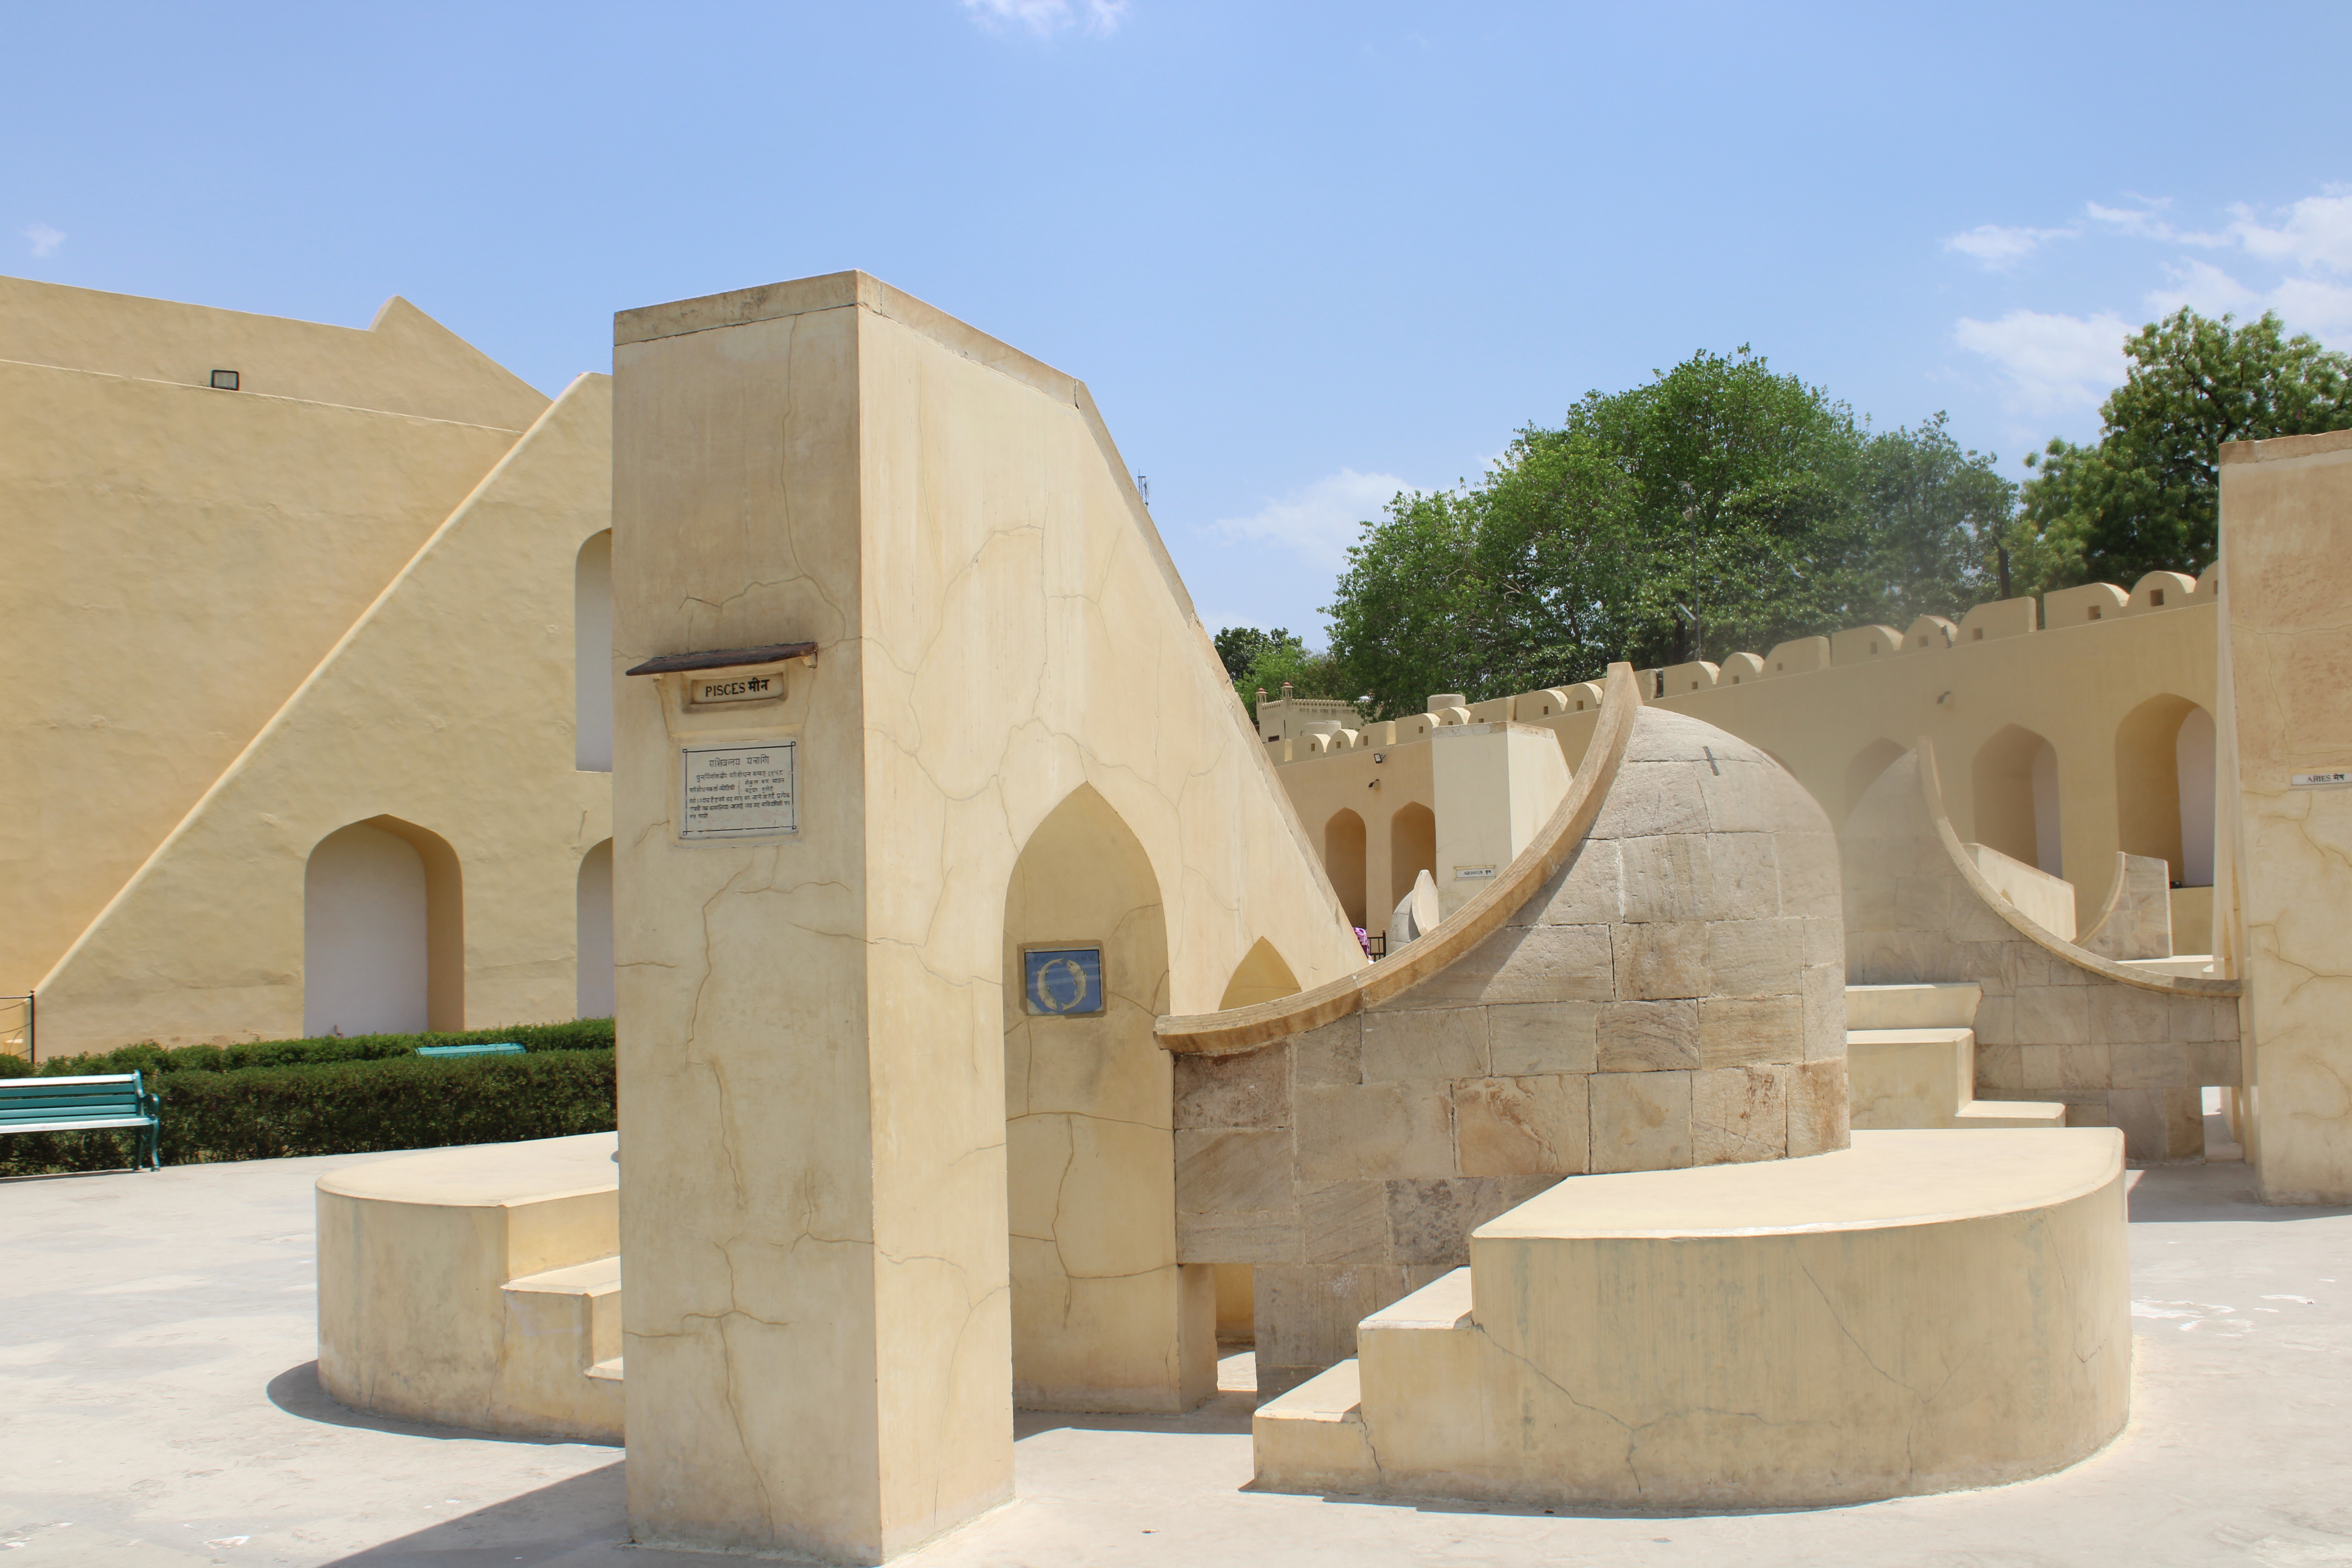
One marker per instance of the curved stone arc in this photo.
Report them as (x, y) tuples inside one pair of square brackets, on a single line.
[(2089, 934), (1931, 791), (1246, 1028)]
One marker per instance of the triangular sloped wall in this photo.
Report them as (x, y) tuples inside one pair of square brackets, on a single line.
[(448, 705)]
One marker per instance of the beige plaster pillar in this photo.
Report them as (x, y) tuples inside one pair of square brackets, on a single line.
[(821, 1344), (2284, 821), (1494, 786)]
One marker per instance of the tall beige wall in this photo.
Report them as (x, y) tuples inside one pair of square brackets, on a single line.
[(2287, 651), (179, 559), (812, 1072), (442, 713)]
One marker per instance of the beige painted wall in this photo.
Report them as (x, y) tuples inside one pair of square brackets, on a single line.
[(444, 713), (181, 560), (2286, 514), (403, 362), (820, 1339)]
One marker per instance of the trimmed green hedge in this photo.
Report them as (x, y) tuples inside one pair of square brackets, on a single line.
[(274, 1099), (580, 1035)]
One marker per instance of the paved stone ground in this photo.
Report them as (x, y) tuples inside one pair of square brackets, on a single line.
[(158, 1405)]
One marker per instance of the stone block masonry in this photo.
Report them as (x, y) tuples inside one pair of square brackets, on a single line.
[(1671, 996)]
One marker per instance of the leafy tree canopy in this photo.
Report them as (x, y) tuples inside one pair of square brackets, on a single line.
[(1721, 506), (2146, 496), (1262, 660)]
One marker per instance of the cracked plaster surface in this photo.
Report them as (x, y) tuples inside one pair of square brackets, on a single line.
[(820, 1040), (2287, 693)]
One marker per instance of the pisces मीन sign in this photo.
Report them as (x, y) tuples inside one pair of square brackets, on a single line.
[(1062, 982)]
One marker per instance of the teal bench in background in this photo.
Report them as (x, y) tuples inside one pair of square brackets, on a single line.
[(84, 1105), (487, 1048)]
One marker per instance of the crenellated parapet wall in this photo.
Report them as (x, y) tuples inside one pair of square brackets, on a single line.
[(2071, 728)]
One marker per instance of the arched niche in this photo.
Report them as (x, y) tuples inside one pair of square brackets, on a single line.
[(1343, 861), (1104, 1319), (592, 656), (1863, 772), (2193, 764), (2014, 780), (1413, 850), (594, 946), (383, 931), (1261, 976), (2164, 786)]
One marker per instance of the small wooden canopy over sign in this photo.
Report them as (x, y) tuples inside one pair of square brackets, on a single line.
[(727, 659)]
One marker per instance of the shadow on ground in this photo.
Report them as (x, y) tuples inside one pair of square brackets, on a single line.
[(297, 1392), (2221, 1190), (1228, 1413), (581, 1522)]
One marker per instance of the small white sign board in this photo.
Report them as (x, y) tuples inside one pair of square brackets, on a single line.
[(740, 791), (1472, 873), (2318, 781)]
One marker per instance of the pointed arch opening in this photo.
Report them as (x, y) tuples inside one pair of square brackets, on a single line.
[(1261, 976), (383, 931), (594, 948), (2164, 786), (1104, 1319), (1343, 861), (2014, 779), (1413, 850), (1863, 771)]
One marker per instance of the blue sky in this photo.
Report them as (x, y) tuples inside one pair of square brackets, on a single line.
[(1304, 255)]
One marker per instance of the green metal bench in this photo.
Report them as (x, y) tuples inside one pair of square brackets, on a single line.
[(84, 1105), (486, 1048)]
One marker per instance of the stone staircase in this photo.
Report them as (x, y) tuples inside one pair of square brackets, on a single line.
[(1911, 1061), (563, 1342), (1589, 1353)]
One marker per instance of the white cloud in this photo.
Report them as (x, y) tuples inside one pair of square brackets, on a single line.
[(2000, 247), (1317, 522), (2204, 289), (43, 238), (2053, 364), (1045, 17), (2323, 310), (2304, 304), (2316, 232), (2142, 222)]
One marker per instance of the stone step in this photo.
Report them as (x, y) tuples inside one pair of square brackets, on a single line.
[(1312, 1438), (1909, 1078), (1951, 1006), (564, 1338), (2012, 1113), (1926, 1079)]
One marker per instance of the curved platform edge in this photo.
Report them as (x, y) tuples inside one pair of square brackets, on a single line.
[(1709, 1366), (476, 1286)]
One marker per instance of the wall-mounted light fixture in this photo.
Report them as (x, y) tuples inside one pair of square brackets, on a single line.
[(225, 380)]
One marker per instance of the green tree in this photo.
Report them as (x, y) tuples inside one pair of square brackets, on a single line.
[(1413, 612), (1721, 506), (1261, 660), (1936, 518), (2146, 496), (1240, 647)]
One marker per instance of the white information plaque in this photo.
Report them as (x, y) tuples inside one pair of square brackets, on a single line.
[(740, 791)]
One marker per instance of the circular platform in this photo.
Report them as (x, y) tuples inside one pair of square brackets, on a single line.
[(1925, 1311), (476, 1286)]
